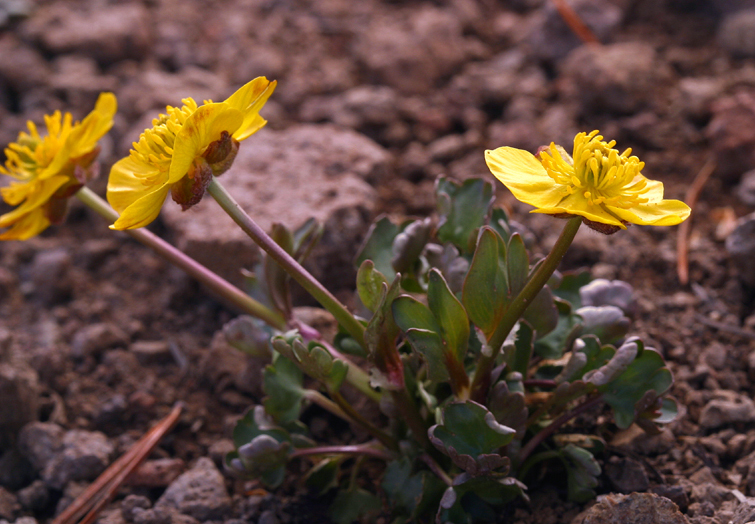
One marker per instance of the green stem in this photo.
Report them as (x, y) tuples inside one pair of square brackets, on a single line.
[(485, 365), (218, 285), (407, 407), (286, 261)]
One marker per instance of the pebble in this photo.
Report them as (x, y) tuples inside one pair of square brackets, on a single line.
[(40, 442), (35, 497), (599, 85), (626, 475), (674, 493), (21, 67), (19, 391), (158, 473), (552, 39), (121, 31), (323, 169), (635, 508), (736, 33), (721, 411), (93, 339), (199, 493), (731, 132), (9, 506), (411, 53), (740, 245), (50, 275), (745, 191), (151, 351), (131, 503)]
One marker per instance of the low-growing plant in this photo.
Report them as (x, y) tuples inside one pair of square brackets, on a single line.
[(476, 358)]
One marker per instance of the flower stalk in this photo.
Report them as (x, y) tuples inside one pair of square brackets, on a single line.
[(218, 285), (481, 381), (286, 261)]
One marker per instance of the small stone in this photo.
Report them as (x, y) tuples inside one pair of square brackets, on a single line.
[(50, 274), (20, 391), (268, 517), (131, 503), (626, 475), (289, 176), (110, 411), (151, 351), (635, 508), (721, 411), (745, 191), (697, 94), (736, 33), (152, 516), (93, 339), (158, 473), (715, 356), (9, 506), (552, 39), (41, 442), (600, 85), (21, 67), (674, 493), (34, 497), (85, 454), (731, 133), (740, 245), (199, 493), (121, 31)]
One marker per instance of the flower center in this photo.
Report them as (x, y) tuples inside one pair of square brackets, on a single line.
[(155, 146), (597, 172), (31, 153)]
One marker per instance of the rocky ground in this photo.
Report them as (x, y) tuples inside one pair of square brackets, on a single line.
[(99, 337)]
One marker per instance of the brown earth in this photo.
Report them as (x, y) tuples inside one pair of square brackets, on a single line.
[(99, 334)]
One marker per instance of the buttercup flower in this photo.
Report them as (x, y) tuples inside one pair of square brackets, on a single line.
[(597, 183), (181, 153), (49, 169)]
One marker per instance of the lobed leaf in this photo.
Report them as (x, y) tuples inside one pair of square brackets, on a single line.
[(463, 209), (378, 246)]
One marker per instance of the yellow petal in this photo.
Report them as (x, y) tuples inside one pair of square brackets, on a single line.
[(203, 127), (85, 136), (663, 213), (576, 204), (130, 180), (30, 225), (35, 199), (525, 176), (249, 99), (143, 211)]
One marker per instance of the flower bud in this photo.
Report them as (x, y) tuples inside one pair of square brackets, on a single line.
[(221, 153)]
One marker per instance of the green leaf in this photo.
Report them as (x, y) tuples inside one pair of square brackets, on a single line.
[(409, 312), (324, 475), (314, 360), (554, 344), (475, 500), (608, 323), (430, 345), (355, 504), (499, 222), (409, 495), (518, 263), (380, 337), (542, 313), (378, 246), (262, 448), (276, 278), (570, 286), (447, 260), (370, 285), (282, 382), (587, 354), (409, 244), (485, 291), (582, 471), (451, 316), (305, 238), (522, 348), (249, 335), (463, 209), (509, 408), (646, 372), (471, 436)]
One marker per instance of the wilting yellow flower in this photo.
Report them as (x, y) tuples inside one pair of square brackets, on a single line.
[(49, 169), (181, 153), (597, 183)]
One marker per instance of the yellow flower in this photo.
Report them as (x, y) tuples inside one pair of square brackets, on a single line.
[(48, 170), (598, 183), (181, 153)]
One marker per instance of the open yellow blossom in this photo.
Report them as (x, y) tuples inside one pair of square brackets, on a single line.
[(181, 153), (597, 183), (48, 169)]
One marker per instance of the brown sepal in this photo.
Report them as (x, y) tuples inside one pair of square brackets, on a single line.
[(190, 189), (221, 153)]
